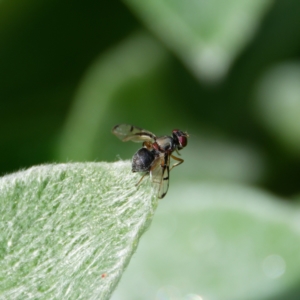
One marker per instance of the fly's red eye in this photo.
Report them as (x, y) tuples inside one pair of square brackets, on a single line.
[(181, 137), (182, 141)]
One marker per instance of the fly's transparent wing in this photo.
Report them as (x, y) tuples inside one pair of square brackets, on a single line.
[(126, 132), (159, 174)]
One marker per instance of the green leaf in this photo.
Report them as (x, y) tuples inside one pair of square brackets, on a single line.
[(277, 104), (69, 230), (206, 35), (217, 241)]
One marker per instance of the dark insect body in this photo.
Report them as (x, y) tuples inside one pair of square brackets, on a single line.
[(154, 157), (142, 160)]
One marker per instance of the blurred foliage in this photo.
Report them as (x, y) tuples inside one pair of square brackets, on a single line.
[(234, 243), (50, 53), (227, 72)]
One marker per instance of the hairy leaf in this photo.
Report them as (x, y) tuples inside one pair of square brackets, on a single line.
[(69, 230)]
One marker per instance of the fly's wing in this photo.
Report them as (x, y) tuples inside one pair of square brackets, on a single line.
[(159, 175), (126, 132)]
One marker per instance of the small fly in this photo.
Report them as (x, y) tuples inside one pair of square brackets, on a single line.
[(154, 157)]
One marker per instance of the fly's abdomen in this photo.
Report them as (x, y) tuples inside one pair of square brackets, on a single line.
[(142, 160)]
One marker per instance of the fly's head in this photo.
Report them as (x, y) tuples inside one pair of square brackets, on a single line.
[(180, 137)]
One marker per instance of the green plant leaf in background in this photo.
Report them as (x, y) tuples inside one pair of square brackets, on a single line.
[(206, 35), (69, 230), (133, 61), (217, 241), (277, 104), (128, 85)]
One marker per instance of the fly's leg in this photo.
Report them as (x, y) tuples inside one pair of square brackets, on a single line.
[(177, 152), (139, 182), (180, 161)]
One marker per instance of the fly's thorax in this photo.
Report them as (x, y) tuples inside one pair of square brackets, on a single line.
[(165, 143)]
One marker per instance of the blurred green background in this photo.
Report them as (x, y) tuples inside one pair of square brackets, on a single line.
[(228, 72), (225, 72)]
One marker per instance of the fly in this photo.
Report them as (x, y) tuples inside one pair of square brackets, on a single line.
[(154, 157)]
